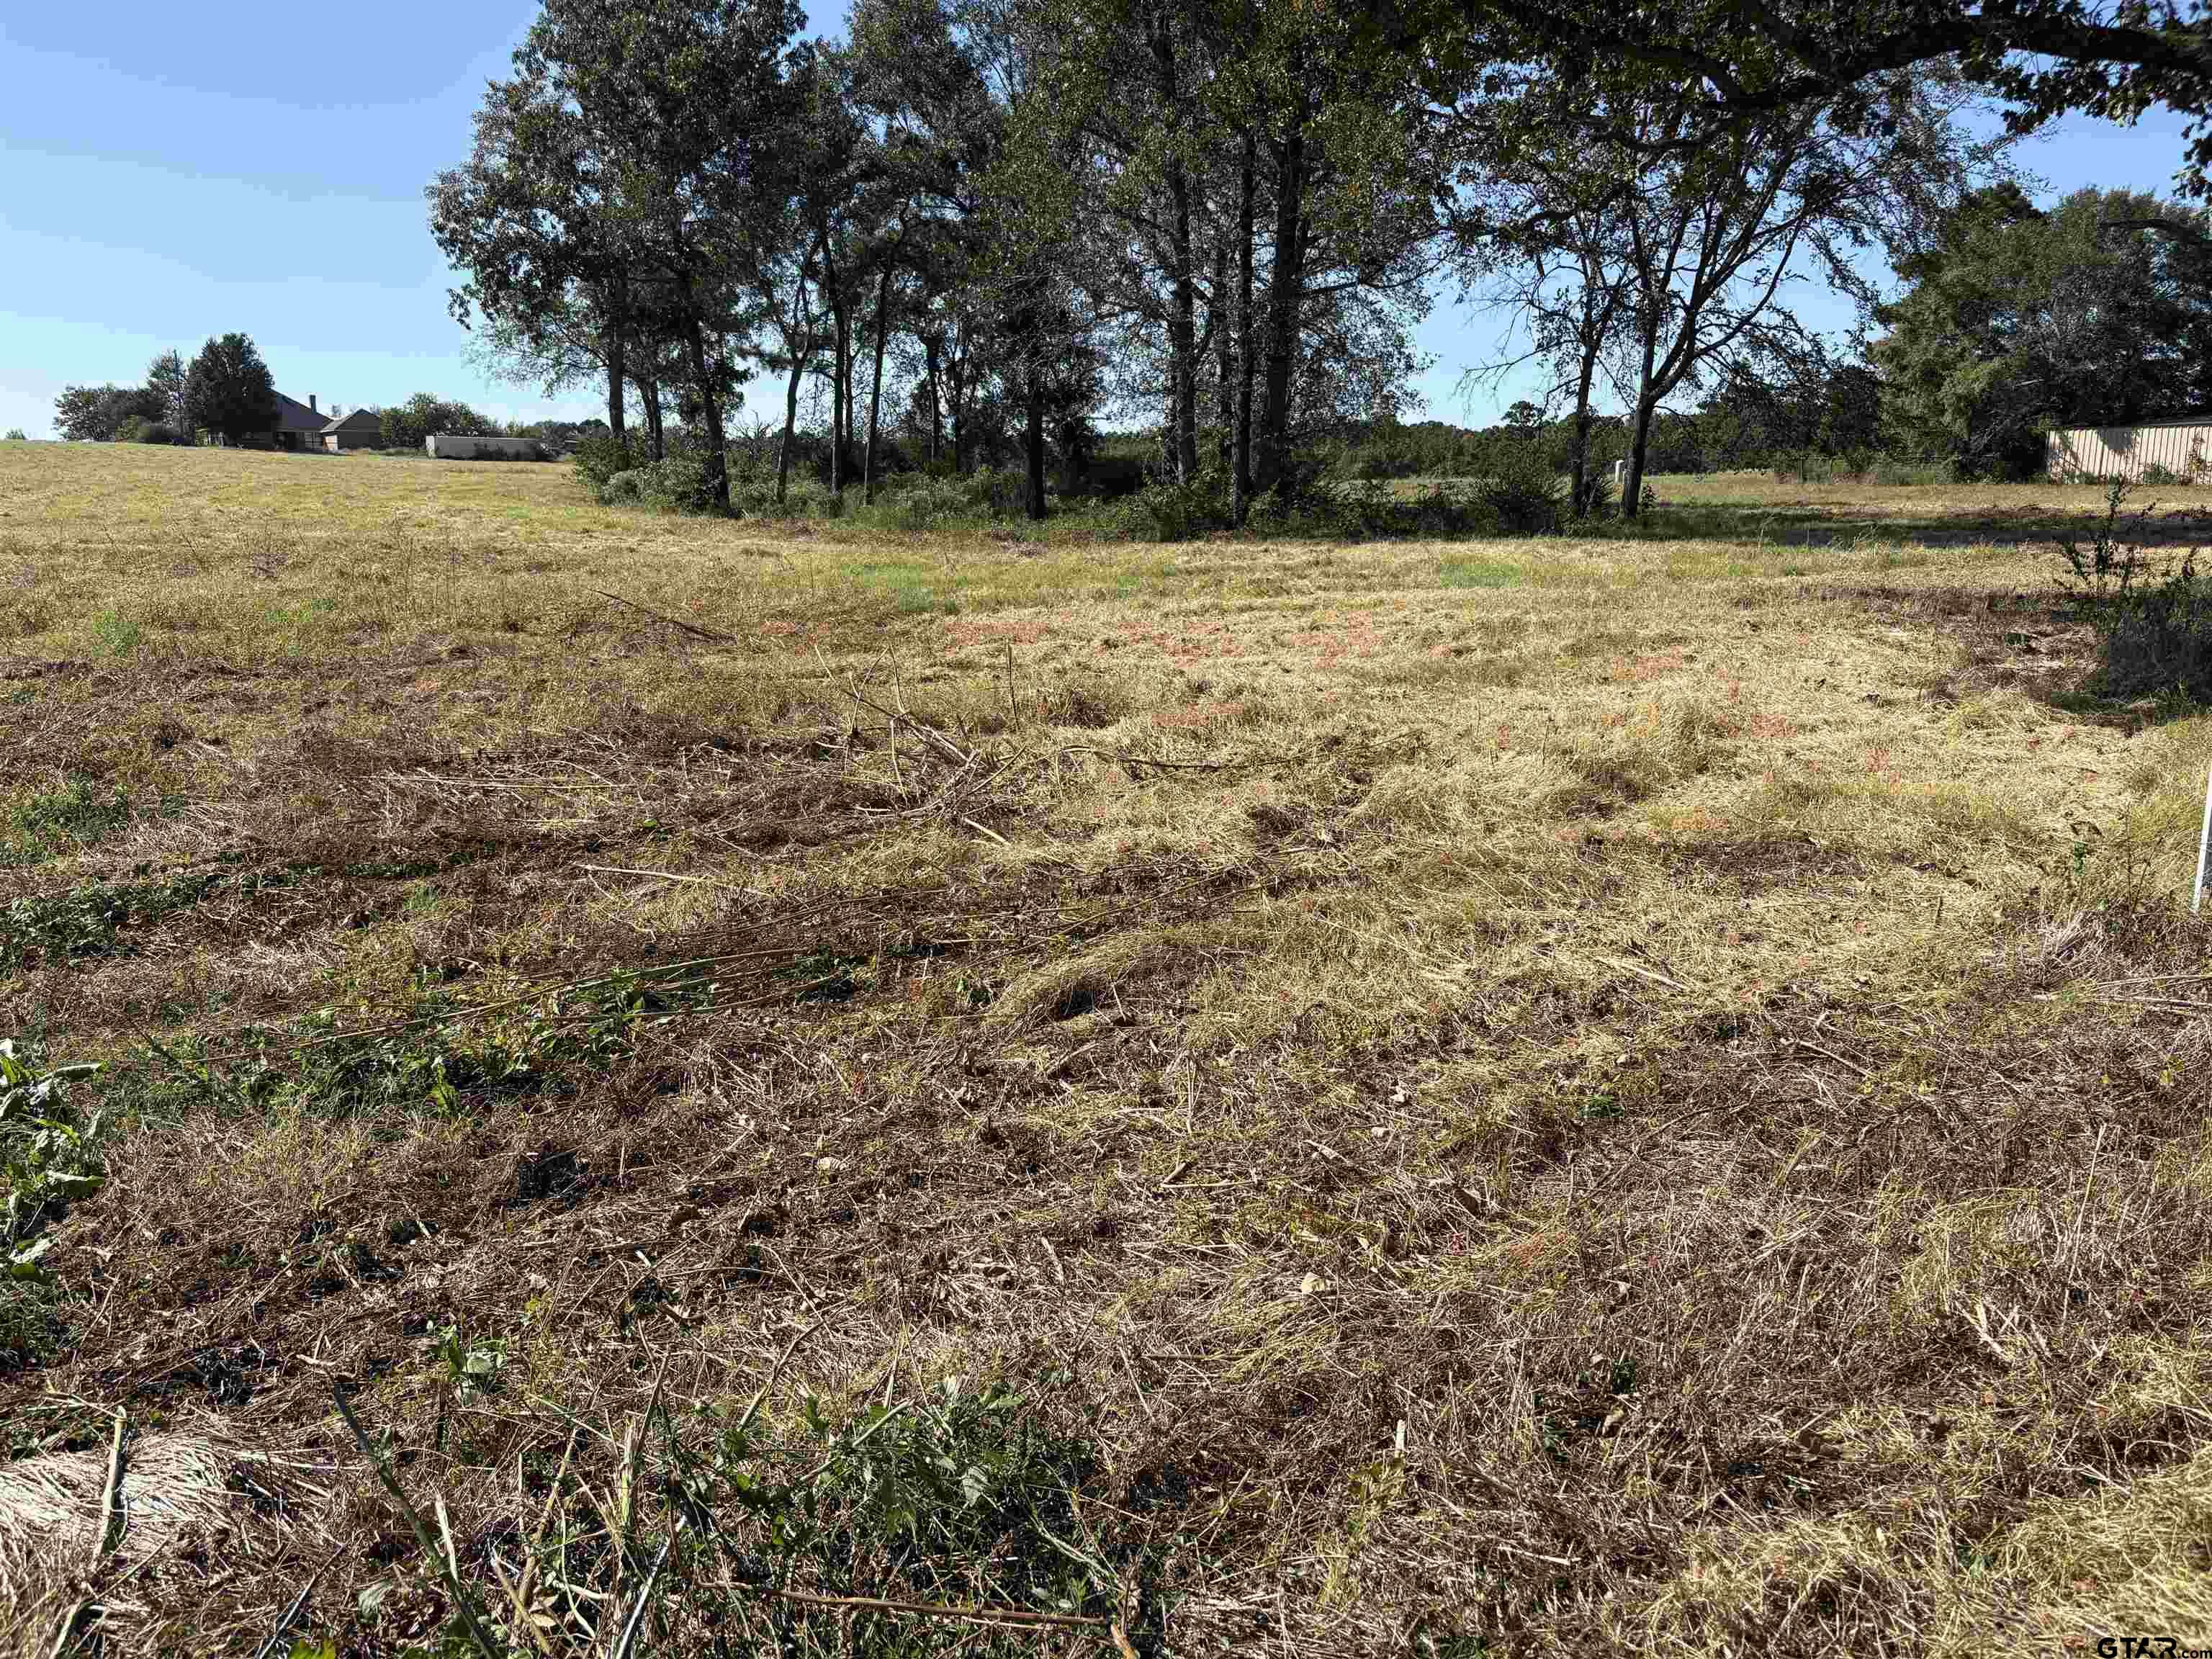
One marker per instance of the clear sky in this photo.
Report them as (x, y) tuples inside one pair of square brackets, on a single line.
[(166, 175)]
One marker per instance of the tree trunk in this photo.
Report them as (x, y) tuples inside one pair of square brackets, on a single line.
[(617, 319), (1035, 504), (841, 343), (801, 341), (1285, 291), (936, 404), (648, 402), (710, 404), (1632, 492), (1580, 498), (1219, 324), (876, 380), (1183, 351), (1240, 478)]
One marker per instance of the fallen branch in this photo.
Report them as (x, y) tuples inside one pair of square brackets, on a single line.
[(673, 622), (1020, 1616)]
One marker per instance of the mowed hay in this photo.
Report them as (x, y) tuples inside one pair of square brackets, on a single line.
[(1655, 1102)]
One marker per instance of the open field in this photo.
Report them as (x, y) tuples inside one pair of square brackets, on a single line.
[(1621, 1094)]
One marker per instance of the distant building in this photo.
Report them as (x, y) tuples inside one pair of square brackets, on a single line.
[(299, 426), (447, 447), (362, 429), (2181, 446)]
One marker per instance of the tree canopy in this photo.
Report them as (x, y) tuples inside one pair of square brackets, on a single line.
[(228, 390)]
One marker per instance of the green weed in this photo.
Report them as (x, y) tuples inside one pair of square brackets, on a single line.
[(1479, 573), (49, 1158), (91, 921), (118, 633), (80, 815)]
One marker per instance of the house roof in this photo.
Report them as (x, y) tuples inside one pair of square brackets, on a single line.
[(294, 416), (361, 420)]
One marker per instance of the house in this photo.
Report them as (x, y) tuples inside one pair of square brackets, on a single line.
[(362, 429), (2180, 448), (299, 426)]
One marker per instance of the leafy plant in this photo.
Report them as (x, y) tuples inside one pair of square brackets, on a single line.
[(80, 815), (1526, 495), (50, 1158), (89, 921), (16, 435), (2105, 565)]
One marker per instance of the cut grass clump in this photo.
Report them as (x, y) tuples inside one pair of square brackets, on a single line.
[(80, 815)]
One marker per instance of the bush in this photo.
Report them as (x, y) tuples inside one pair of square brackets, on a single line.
[(2158, 638), (675, 484), (1899, 470), (139, 430), (1526, 495), (15, 436), (600, 455), (1175, 513)]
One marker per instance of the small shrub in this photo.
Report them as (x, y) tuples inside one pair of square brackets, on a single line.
[(1175, 512), (601, 455), (2158, 640), (139, 430), (1525, 496), (16, 435), (116, 632)]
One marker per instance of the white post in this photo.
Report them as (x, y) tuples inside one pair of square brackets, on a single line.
[(2203, 848)]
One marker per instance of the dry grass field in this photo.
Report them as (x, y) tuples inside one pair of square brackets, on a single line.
[(1247, 1096)]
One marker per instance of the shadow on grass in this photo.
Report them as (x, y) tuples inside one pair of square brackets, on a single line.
[(1841, 519)]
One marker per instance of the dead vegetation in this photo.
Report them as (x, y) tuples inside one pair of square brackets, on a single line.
[(1266, 1101)]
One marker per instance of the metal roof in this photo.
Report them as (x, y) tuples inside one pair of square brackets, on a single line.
[(295, 416)]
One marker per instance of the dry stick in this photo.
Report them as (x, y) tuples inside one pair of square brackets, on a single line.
[(644, 1600), (673, 622), (103, 1539), (530, 1556), (477, 1634), (1015, 1616), (106, 1539), (268, 1647)]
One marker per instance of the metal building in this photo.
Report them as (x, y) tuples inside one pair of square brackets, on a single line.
[(446, 447), (2183, 447)]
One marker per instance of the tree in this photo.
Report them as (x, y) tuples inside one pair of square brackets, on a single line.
[(407, 425), (98, 413), (2019, 319), (683, 107), (165, 379), (228, 390), (1745, 60)]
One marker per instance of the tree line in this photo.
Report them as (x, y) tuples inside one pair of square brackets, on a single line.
[(1220, 220), (227, 394)]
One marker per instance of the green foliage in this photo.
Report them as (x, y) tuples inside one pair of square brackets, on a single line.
[(600, 455), (49, 1159), (1528, 496), (675, 483), (116, 632), (2019, 319), (98, 413), (82, 814), (424, 414), (441, 1060), (15, 435), (964, 1498), (137, 430), (91, 921), (228, 390), (2158, 640)]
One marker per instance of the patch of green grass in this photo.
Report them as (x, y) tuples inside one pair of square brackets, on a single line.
[(437, 1057), (80, 815), (118, 632), (1479, 573), (90, 921)]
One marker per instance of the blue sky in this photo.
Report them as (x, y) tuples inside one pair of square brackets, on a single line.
[(162, 181)]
